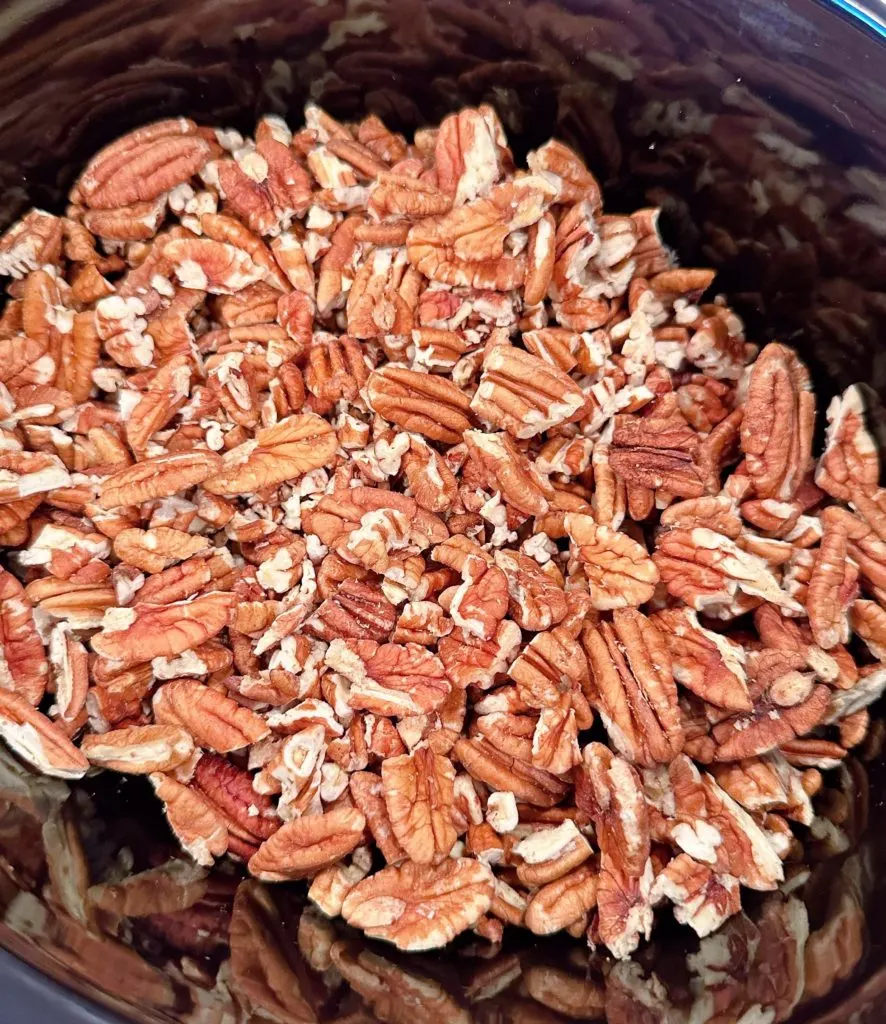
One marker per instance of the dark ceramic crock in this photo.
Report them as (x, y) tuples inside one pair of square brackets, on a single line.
[(758, 126)]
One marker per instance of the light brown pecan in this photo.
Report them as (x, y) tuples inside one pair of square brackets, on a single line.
[(366, 790), (770, 724), (609, 791), (356, 610), (23, 474), (156, 549), (849, 464), (418, 794), (157, 477), (657, 452), (470, 660), (620, 572), (632, 687), (133, 635), (301, 848), (524, 395), (712, 828), (140, 750), (561, 903), (389, 679), (709, 664), (776, 432), (706, 570), (506, 773), (37, 740), (510, 472), (141, 165), (832, 587), (286, 451), (24, 668), (421, 402), (551, 669), (536, 600), (416, 906), (767, 783), (32, 242), (214, 720)]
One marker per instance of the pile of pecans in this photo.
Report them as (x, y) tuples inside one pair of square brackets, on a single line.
[(418, 530)]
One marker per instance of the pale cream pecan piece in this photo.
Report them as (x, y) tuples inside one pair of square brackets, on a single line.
[(632, 687), (356, 610), (366, 790), (849, 464), (154, 550), (133, 635), (139, 750), (709, 571), (197, 825), (624, 908), (505, 773), (284, 452), (418, 793), (776, 432), (417, 906), (23, 474), (301, 848), (833, 585), (609, 791), (265, 972), (559, 904), (389, 679), (536, 600), (420, 402), (470, 661), (24, 668), (619, 570), (712, 828), (215, 721), (565, 169), (524, 395), (157, 477), (767, 783), (510, 472), (709, 664), (37, 740), (701, 898), (142, 164)]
